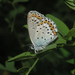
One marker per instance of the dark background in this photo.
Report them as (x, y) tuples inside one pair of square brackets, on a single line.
[(13, 42)]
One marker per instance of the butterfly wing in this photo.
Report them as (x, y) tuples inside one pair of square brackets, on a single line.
[(32, 21), (42, 30)]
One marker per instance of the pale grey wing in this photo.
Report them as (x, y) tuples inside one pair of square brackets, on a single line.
[(44, 35), (32, 25)]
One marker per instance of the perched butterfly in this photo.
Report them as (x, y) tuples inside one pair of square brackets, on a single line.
[(42, 30)]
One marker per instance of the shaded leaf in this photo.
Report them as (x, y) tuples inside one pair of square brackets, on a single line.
[(73, 71), (23, 69), (64, 52), (10, 66), (15, 1), (2, 67), (71, 61), (74, 25), (58, 55), (18, 10), (62, 28)]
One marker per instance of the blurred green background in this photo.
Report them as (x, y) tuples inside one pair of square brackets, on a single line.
[(14, 37)]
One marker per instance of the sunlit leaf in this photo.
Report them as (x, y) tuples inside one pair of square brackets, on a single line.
[(70, 3), (25, 26), (62, 28)]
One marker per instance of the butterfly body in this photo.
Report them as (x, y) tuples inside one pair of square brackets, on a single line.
[(42, 30)]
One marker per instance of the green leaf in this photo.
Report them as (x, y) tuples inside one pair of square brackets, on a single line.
[(60, 40), (21, 9), (2, 67), (64, 52), (23, 69), (46, 50), (73, 71), (25, 26), (62, 28), (71, 33), (58, 55), (10, 66), (70, 3), (0, 0), (22, 56), (15, 1), (71, 61), (18, 10), (74, 25)]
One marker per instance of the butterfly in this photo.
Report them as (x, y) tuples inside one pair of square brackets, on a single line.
[(42, 30)]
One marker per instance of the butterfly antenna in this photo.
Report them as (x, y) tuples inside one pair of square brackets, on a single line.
[(26, 45)]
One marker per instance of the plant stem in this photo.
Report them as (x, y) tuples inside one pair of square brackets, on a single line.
[(14, 17), (32, 66)]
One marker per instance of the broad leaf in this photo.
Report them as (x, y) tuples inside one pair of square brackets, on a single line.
[(71, 61), (71, 33)]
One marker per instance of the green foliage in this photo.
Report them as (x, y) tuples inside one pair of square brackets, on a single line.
[(15, 1), (8, 66), (71, 33), (70, 3), (70, 61), (25, 26)]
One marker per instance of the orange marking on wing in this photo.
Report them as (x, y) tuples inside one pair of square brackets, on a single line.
[(44, 21), (54, 32), (40, 23), (29, 16), (39, 17), (35, 16), (50, 25)]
